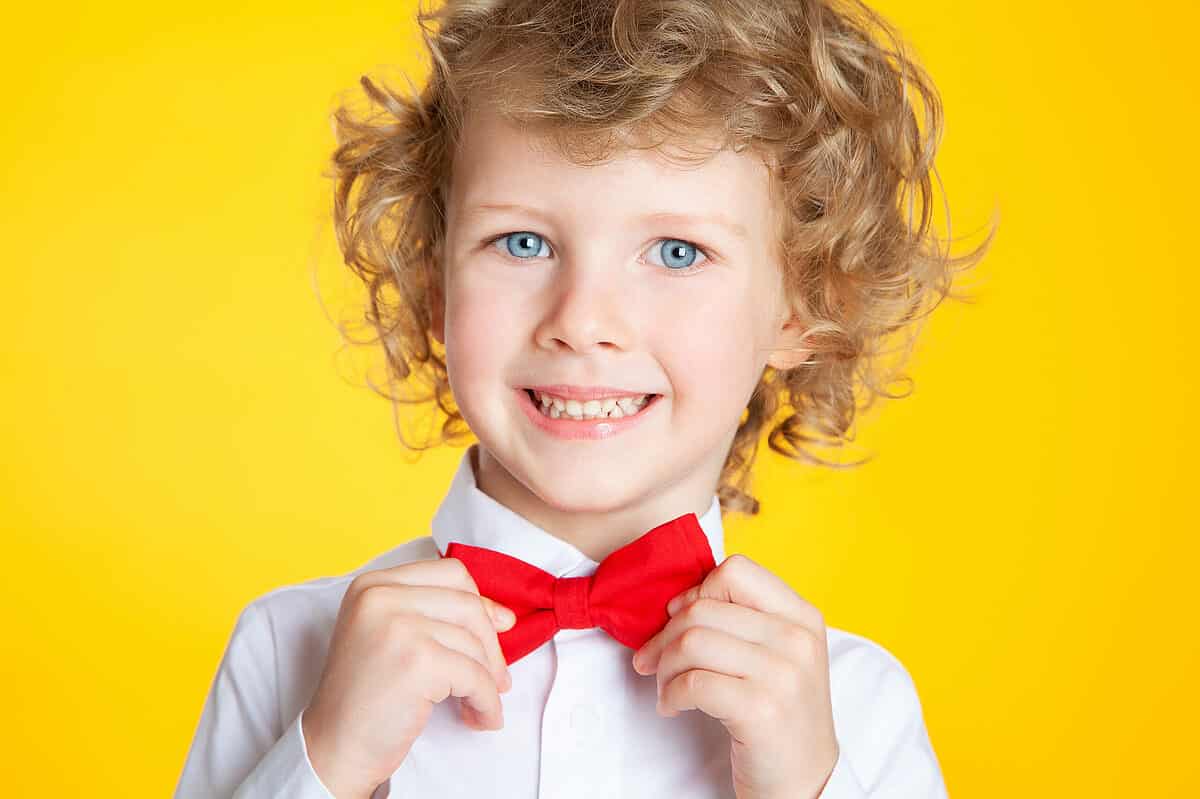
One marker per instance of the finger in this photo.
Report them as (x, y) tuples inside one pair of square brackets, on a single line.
[(746, 623), (718, 695), (444, 573), (501, 616), (443, 604), (716, 650), (742, 581), (463, 677), (452, 636)]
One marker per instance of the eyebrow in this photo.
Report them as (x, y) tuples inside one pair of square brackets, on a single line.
[(735, 228)]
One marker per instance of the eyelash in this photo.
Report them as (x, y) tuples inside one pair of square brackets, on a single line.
[(690, 270)]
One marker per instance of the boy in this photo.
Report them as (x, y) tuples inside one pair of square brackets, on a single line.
[(615, 239)]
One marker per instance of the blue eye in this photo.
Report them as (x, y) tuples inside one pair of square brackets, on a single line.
[(677, 254), (528, 244)]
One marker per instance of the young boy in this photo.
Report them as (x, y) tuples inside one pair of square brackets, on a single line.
[(616, 239)]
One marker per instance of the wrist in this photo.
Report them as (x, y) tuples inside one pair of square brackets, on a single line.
[(837, 753), (324, 763)]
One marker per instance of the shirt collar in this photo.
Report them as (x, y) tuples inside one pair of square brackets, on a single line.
[(469, 516)]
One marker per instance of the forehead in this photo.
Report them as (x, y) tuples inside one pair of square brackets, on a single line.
[(501, 161)]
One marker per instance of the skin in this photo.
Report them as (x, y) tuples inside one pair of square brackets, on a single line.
[(746, 649), (591, 299), (596, 303)]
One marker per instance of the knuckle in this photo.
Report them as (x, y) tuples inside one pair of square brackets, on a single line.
[(416, 656), (483, 679), (370, 600), (396, 632), (813, 616), (475, 619), (486, 678), (461, 573), (703, 606), (427, 648), (356, 585), (804, 643), (354, 592), (691, 640), (736, 561)]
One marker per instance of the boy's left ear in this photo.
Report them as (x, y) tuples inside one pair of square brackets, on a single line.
[(788, 352)]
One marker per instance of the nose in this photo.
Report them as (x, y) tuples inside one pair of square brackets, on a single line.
[(587, 308)]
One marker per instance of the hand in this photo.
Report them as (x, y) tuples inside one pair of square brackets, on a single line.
[(744, 648), (405, 638)]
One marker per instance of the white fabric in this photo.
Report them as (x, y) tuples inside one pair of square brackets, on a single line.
[(579, 721)]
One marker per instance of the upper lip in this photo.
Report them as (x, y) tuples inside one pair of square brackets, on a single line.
[(585, 393)]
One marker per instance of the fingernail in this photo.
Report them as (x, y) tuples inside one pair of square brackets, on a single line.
[(503, 616), (673, 605)]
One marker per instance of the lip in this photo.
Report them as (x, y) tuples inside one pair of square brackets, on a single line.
[(582, 428), (585, 393)]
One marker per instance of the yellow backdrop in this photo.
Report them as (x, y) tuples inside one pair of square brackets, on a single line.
[(179, 437)]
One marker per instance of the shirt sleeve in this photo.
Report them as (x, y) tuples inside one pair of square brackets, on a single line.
[(239, 750), (884, 747)]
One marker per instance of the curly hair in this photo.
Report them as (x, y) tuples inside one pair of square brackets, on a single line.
[(823, 90)]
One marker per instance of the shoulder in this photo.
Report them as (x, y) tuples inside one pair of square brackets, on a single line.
[(864, 670), (855, 655), (874, 697)]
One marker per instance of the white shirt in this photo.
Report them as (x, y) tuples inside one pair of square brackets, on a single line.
[(579, 722)]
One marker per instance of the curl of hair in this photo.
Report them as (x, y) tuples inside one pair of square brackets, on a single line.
[(822, 90)]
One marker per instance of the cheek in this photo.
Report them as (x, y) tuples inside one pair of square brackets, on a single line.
[(707, 353), (477, 337)]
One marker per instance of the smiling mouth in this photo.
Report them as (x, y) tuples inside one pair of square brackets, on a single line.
[(608, 409)]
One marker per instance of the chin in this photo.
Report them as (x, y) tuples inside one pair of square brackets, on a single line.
[(585, 496)]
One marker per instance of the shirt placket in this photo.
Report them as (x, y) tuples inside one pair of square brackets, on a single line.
[(580, 758)]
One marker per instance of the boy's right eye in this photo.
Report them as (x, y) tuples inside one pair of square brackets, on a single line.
[(522, 245)]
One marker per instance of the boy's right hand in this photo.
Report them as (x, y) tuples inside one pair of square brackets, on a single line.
[(405, 638)]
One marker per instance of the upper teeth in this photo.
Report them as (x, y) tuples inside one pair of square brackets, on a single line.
[(610, 407)]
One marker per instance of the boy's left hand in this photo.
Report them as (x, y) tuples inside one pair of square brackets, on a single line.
[(744, 648)]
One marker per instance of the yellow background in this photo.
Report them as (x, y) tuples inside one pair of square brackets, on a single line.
[(179, 436)]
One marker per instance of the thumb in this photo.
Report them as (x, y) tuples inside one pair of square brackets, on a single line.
[(501, 616)]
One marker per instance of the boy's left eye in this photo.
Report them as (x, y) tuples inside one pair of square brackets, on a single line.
[(675, 251), (677, 255)]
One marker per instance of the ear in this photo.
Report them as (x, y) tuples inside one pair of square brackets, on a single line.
[(788, 352)]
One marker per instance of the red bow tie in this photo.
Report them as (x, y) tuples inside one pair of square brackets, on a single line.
[(627, 596)]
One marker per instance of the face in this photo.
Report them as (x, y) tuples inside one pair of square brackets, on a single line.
[(639, 274)]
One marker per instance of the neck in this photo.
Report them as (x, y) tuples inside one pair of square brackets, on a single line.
[(594, 532)]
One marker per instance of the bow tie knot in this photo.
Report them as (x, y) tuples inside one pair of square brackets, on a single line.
[(571, 608), (627, 596)]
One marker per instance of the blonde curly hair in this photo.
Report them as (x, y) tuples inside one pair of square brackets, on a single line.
[(823, 90)]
